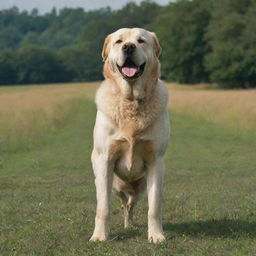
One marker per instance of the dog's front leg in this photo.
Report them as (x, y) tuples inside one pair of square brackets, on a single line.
[(155, 197), (103, 181)]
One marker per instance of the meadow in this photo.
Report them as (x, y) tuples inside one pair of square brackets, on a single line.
[(47, 193)]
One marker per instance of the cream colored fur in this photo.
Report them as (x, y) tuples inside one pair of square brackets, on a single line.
[(131, 133)]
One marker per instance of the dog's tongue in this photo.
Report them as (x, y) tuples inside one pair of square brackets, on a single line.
[(129, 71)]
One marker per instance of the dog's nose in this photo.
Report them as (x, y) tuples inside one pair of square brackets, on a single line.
[(129, 48)]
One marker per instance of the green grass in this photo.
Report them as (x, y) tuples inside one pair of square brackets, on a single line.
[(48, 202)]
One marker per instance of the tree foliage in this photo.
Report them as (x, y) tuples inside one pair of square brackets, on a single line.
[(202, 41), (181, 27), (231, 36), (37, 64), (8, 70)]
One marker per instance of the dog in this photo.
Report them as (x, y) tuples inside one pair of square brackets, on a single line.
[(131, 130)]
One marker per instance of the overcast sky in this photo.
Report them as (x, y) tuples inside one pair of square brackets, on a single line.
[(46, 5)]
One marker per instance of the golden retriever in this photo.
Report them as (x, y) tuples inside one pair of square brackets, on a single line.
[(131, 130)]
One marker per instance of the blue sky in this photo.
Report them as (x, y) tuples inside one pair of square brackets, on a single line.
[(47, 5)]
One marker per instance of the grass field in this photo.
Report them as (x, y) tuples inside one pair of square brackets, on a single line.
[(47, 199)]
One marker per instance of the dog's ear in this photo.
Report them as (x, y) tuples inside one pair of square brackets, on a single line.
[(157, 47), (105, 50)]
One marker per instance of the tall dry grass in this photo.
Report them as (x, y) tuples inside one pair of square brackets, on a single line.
[(35, 110), (235, 108)]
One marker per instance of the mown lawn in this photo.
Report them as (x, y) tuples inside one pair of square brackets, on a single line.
[(48, 203)]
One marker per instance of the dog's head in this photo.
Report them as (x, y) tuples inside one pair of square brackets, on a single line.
[(131, 52)]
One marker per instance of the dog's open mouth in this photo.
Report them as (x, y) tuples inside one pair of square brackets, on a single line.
[(130, 70)]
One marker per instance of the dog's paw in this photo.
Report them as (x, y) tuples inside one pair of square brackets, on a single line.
[(156, 238), (98, 238)]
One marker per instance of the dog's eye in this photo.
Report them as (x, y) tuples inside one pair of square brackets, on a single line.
[(141, 41), (119, 41)]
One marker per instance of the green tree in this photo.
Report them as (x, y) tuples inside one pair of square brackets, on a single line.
[(232, 38), (65, 28), (181, 28), (38, 64), (133, 15), (8, 70), (31, 38), (82, 61), (10, 38)]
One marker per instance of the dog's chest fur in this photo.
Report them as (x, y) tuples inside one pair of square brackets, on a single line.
[(132, 116), (131, 152)]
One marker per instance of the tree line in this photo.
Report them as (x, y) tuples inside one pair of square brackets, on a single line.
[(202, 40)]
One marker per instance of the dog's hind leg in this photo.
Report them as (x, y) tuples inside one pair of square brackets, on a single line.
[(128, 210), (138, 187), (128, 194), (123, 198), (128, 202)]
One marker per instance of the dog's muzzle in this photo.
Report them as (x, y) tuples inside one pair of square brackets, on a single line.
[(130, 70)]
